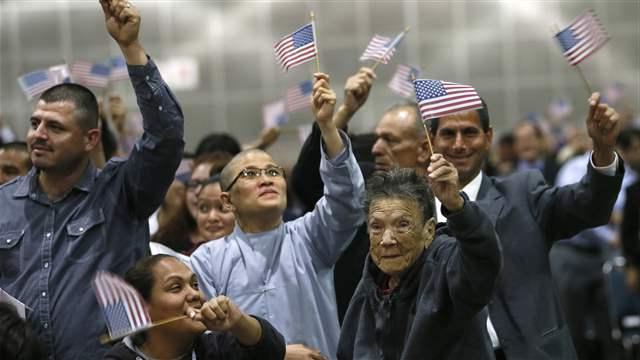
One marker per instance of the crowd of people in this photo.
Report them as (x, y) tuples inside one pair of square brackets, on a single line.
[(410, 242)]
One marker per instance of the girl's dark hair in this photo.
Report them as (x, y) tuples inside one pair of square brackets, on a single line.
[(17, 340), (175, 232), (140, 276)]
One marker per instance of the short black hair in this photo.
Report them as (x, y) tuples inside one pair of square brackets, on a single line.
[(19, 342), (16, 146), (85, 103), (403, 183), (483, 114), (140, 275), (218, 142), (625, 139)]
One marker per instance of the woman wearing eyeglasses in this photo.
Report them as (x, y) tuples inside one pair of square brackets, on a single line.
[(186, 229)]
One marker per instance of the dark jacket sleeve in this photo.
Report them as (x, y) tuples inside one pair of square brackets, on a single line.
[(564, 211), (271, 345), (630, 228), (154, 160), (305, 177), (474, 265)]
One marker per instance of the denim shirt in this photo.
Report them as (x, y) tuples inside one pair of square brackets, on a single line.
[(50, 250), (285, 275)]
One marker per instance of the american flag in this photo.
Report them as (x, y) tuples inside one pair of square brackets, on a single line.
[(124, 309), (274, 114), (299, 96), (119, 69), (402, 81), (381, 48), (36, 82), (60, 73), (91, 74), (582, 37), (296, 48), (438, 98)]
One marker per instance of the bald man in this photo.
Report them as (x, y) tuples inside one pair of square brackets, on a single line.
[(284, 271)]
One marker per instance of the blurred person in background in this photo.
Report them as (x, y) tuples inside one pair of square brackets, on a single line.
[(14, 161), (532, 152), (182, 232), (17, 340)]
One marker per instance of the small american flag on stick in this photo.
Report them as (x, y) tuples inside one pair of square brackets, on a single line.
[(584, 36), (296, 48), (124, 309), (438, 98)]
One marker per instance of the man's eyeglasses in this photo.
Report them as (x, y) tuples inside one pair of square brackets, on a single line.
[(254, 173)]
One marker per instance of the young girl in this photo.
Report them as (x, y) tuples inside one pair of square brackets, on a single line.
[(170, 289)]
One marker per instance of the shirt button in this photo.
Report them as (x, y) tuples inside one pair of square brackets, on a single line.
[(147, 77), (45, 325), (48, 234), (160, 108), (44, 293), (46, 265), (8, 241), (81, 229), (33, 196)]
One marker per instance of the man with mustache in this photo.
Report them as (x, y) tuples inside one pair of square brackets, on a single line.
[(66, 219)]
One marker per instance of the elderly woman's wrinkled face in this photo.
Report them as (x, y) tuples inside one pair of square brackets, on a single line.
[(397, 233)]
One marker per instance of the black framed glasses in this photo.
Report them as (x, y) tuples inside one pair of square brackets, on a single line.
[(254, 173)]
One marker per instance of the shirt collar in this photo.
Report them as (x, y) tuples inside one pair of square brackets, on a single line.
[(473, 187), (29, 183)]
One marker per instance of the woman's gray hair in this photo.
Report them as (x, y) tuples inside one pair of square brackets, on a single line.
[(401, 184)]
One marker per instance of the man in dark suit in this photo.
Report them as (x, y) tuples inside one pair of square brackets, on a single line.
[(525, 320)]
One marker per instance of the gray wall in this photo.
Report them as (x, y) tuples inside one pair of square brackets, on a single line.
[(502, 48)]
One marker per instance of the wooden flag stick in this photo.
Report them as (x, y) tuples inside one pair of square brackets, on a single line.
[(584, 79), (315, 40), (105, 339), (406, 30), (426, 131)]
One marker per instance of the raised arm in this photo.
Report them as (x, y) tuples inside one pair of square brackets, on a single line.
[(473, 269), (356, 93), (565, 211), (305, 178), (328, 229), (152, 164)]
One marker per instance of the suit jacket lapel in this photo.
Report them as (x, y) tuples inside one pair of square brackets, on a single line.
[(490, 199)]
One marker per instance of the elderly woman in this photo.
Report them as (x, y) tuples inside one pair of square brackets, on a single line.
[(422, 289), (170, 289)]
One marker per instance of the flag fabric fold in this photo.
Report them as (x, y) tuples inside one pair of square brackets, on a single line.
[(437, 98), (402, 81), (124, 309), (90, 74), (584, 36), (296, 48), (298, 97), (274, 114), (36, 82), (381, 48), (119, 70)]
